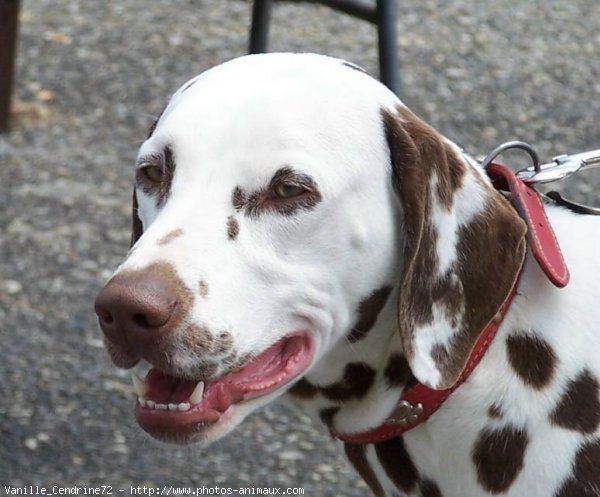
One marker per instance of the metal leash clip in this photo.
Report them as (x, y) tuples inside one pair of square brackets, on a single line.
[(561, 167)]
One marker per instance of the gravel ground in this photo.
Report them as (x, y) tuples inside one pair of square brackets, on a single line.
[(91, 75)]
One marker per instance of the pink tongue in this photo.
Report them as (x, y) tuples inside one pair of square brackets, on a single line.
[(167, 389), (265, 370)]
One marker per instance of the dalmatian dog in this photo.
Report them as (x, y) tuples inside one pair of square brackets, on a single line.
[(299, 232)]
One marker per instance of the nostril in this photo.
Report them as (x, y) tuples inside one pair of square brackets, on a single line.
[(153, 316), (141, 320), (105, 316)]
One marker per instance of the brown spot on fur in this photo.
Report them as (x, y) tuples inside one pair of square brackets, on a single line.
[(203, 288), (205, 370), (495, 411), (429, 488), (498, 457), (303, 389), (490, 248), (397, 372), (532, 358), (585, 481), (358, 458), (197, 340), (368, 310), (223, 343), (239, 198), (328, 414), (358, 379), (397, 464), (170, 236), (233, 228), (579, 406)]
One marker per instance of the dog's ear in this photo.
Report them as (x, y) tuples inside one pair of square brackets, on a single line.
[(463, 249), (136, 223)]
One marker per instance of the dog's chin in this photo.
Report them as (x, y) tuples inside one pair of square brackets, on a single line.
[(183, 411)]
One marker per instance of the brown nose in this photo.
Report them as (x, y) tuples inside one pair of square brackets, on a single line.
[(137, 309)]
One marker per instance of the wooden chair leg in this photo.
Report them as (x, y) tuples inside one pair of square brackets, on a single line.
[(9, 15), (259, 33)]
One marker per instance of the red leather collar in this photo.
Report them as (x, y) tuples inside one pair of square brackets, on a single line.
[(418, 402)]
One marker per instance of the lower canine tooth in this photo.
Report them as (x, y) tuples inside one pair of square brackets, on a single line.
[(150, 404), (197, 394), (142, 401)]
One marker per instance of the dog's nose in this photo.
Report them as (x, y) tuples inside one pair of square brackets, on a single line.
[(136, 309)]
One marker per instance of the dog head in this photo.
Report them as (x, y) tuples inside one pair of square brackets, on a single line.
[(274, 193)]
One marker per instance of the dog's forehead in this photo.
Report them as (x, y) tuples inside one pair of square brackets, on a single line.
[(271, 110)]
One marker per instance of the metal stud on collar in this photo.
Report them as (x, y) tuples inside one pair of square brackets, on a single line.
[(405, 413)]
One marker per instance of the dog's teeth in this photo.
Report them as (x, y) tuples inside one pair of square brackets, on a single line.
[(184, 406), (173, 407), (142, 401), (141, 388), (197, 394), (150, 404), (161, 407)]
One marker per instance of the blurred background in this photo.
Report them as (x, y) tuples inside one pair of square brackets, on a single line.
[(92, 75)]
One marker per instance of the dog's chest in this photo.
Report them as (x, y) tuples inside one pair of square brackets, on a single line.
[(525, 423)]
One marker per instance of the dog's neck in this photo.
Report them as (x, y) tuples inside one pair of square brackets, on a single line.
[(356, 385)]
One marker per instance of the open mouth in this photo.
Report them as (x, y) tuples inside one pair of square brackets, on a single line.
[(177, 409)]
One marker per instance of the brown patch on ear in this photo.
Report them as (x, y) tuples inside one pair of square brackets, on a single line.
[(368, 310), (170, 236), (398, 464), (532, 359), (579, 406), (498, 456), (358, 458), (490, 248), (136, 224), (233, 228)]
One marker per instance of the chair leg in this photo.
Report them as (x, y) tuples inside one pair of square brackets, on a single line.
[(259, 33), (9, 15), (388, 53)]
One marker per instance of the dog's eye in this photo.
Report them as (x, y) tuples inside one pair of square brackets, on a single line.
[(153, 174), (288, 190)]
